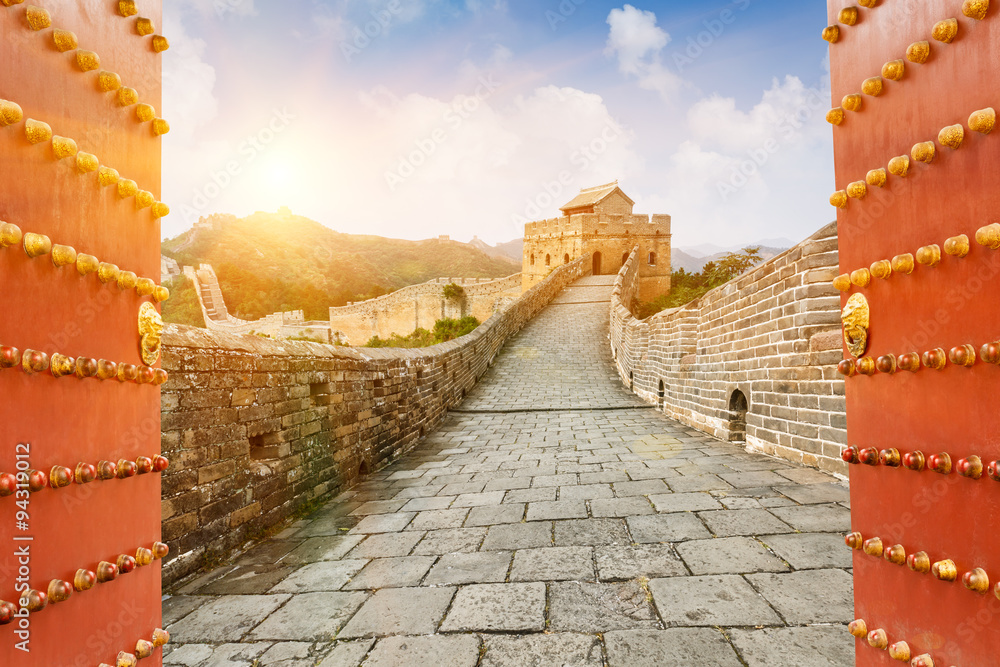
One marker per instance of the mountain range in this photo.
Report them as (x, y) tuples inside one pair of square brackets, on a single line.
[(693, 258), (271, 262)]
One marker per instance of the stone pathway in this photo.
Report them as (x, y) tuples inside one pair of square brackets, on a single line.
[(552, 521)]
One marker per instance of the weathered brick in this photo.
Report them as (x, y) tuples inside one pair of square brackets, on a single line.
[(216, 471)]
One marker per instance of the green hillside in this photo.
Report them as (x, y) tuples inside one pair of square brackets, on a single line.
[(268, 263)]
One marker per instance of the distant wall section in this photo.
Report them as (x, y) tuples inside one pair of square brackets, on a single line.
[(279, 325), (420, 306)]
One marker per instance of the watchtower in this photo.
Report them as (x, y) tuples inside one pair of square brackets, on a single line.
[(600, 221)]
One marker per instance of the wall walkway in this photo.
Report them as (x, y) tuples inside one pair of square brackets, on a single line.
[(552, 520), (254, 428)]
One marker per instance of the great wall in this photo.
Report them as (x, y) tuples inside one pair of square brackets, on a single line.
[(753, 360), (259, 427), (255, 427)]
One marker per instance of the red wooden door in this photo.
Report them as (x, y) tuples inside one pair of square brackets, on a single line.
[(79, 201), (916, 170)]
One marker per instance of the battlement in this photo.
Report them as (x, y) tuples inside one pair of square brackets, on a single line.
[(599, 223)]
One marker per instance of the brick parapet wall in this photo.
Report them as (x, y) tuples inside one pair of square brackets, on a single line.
[(420, 306), (599, 223), (772, 333), (254, 428)]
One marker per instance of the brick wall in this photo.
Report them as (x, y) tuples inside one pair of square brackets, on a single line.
[(254, 427), (420, 306), (772, 334)]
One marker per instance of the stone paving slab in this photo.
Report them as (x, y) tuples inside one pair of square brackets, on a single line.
[(593, 532), (289, 654), (386, 545), (399, 611), (470, 568), (815, 518), (815, 596), (309, 617), (553, 564), (677, 647), (548, 650), (576, 606), (684, 502), (322, 548), (176, 607), (348, 654), (647, 561), (391, 573), (450, 540), (228, 618), (247, 580), (729, 555), (498, 608), (805, 551), (666, 528), (437, 650), (518, 536), (727, 523), (322, 576), (589, 532), (226, 655), (811, 646), (712, 600)]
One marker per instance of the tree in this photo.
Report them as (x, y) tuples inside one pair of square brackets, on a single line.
[(453, 292), (182, 307), (686, 287)]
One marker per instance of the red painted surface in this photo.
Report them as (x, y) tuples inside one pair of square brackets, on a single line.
[(68, 420), (955, 303)]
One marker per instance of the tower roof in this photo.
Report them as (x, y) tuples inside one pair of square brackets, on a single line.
[(593, 195)]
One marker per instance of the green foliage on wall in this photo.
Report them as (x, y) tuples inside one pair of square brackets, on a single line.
[(453, 292), (444, 330), (686, 287), (182, 307)]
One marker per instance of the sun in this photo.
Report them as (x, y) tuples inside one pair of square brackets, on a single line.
[(279, 173)]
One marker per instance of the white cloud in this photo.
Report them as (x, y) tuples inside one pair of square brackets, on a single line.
[(188, 82), (637, 42), (481, 166), (740, 174)]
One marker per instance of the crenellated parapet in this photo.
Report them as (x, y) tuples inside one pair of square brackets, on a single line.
[(592, 224)]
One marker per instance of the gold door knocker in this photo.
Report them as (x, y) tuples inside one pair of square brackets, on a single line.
[(856, 317), (150, 329)]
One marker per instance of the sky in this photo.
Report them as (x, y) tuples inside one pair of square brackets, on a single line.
[(418, 118)]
